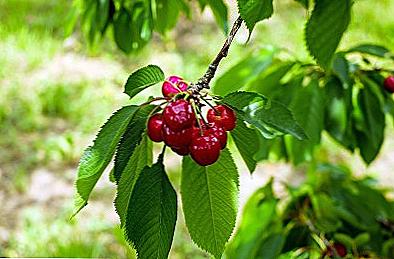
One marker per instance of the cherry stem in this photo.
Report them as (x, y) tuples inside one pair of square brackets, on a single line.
[(204, 81), (197, 114), (175, 86), (210, 105), (161, 156)]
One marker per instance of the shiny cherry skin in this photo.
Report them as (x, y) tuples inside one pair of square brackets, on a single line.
[(220, 134), (182, 151), (205, 150), (172, 85), (213, 129), (225, 117), (389, 84), (155, 124), (176, 138), (178, 115)]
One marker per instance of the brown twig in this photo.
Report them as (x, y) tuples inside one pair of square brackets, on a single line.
[(204, 81)]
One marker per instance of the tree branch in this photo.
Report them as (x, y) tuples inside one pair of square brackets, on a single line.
[(204, 81)]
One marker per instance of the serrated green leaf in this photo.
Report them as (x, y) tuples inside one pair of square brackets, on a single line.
[(253, 11), (141, 157), (308, 109), (245, 71), (209, 199), (324, 29), (375, 50), (96, 158), (247, 141), (219, 10), (142, 79), (130, 139), (258, 110), (152, 213), (370, 129)]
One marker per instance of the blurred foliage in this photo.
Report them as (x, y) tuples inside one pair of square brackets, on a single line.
[(331, 207)]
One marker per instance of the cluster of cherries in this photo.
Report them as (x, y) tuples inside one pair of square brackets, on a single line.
[(182, 127)]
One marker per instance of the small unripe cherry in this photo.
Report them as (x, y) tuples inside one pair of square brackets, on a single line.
[(154, 127), (182, 151), (205, 150), (173, 85), (176, 138), (179, 115), (389, 84), (222, 116)]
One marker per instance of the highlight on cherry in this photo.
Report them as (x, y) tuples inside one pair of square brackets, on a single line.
[(190, 123)]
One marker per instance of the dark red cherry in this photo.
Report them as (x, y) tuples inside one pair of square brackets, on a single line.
[(178, 115), (176, 138), (389, 84), (220, 134), (155, 124), (222, 116), (205, 150), (173, 85), (182, 151)]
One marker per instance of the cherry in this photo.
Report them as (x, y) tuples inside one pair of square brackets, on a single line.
[(205, 149), (220, 134), (213, 129), (176, 138), (389, 84), (340, 249), (155, 124), (222, 116), (178, 115), (173, 85), (182, 151)]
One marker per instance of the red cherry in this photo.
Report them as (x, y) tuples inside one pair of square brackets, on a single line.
[(220, 134), (205, 149), (182, 151), (389, 84), (225, 117), (340, 249), (155, 124), (172, 85), (178, 115), (176, 138)]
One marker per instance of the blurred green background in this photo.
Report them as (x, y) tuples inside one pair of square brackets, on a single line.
[(55, 93)]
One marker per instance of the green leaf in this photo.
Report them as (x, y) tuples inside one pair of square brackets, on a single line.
[(245, 71), (268, 82), (261, 112), (219, 10), (247, 141), (122, 30), (340, 68), (141, 157), (166, 14), (152, 213), (324, 29), (308, 109), (371, 49), (96, 158), (130, 139), (370, 129), (253, 11), (209, 199), (142, 79), (259, 213)]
